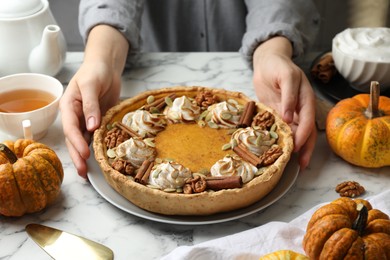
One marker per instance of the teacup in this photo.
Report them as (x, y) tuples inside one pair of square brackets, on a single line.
[(28, 97)]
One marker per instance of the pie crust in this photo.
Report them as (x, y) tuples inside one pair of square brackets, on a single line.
[(206, 202)]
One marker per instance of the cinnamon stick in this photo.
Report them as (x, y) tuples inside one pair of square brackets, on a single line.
[(246, 155), (247, 116), (159, 103), (223, 182), (324, 69), (144, 172), (126, 129)]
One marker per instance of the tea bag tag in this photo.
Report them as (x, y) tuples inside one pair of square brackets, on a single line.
[(27, 129)]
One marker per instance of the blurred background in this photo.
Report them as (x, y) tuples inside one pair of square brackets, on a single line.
[(336, 16)]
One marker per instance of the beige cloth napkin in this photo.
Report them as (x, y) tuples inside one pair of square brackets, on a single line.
[(265, 239)]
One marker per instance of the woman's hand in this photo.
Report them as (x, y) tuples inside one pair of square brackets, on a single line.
[(92, 91), (282, 85)]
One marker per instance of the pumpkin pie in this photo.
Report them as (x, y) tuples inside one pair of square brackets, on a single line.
[(192, 150)]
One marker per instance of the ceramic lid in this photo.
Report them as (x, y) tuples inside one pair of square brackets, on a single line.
[(19, 8)]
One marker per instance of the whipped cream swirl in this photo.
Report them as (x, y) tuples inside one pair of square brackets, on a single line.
[(234, 166), (145, 123), (257, 141), (135, 151), (169, 175), (225, 114), (369, 44), (182, 110)]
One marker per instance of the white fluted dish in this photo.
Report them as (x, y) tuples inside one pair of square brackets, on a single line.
[(362, 55)]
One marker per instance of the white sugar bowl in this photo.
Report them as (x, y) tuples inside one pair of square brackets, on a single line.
[(362, 55)]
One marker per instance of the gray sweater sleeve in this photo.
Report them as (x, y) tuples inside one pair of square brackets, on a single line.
[(125, 15), (297, 20)]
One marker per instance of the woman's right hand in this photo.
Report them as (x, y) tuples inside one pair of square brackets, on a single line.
[(92, 91)]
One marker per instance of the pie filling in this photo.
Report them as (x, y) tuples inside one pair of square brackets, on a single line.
[(191, 144)]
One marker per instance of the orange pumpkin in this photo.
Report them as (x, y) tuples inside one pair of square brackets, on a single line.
[(31, 175), (358, 129), (348, 229)]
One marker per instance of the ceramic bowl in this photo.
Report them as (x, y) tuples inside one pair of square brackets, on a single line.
[(41, 114), (362, 55)]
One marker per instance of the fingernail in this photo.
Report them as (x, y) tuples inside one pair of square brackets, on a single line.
[(91, 122), (288, 116)]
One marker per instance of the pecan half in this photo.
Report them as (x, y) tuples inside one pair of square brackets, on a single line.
[(114, 137), (271, 155), (205, 99), (264, 120), (187, 189), (123, 167), (195, 185), (350, 189)]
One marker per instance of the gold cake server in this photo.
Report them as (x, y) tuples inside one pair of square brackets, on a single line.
[(62, 245)]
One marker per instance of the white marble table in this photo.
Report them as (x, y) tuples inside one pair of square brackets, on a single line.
[(81, 210)]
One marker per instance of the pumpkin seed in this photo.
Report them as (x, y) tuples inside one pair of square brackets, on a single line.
[(258, 140), (203, 114), (158, 160), (232, 101), (212, 125), (226, 147), (233, 143), (179, 190), (168, 101), (273, 134), (170, 190), (111, 153), (154, 110), (153, 187), (174, 174), (240, 108), (149, 142), (226, 116), (150, 99), (260, 171), (209, 116), (201, 123), (156, 173), (273, 128), (109, 127)]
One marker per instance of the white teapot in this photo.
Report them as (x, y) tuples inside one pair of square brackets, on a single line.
[(30, 39)]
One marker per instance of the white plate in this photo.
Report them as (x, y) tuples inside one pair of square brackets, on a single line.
[(104, 189)]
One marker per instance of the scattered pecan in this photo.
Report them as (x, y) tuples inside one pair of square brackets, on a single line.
[(350, 189), (263, 120), (187, 189), (115, 137), (271, 155), (205, 99), (195, 185), (123, 167)]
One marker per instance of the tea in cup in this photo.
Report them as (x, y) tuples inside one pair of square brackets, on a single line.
[(28, 96)]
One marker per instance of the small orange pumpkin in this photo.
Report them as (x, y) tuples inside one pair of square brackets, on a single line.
[(31, 175), (358, 129), (348, 229)]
